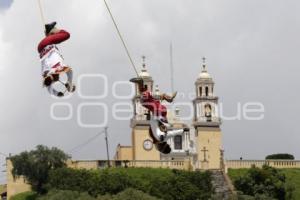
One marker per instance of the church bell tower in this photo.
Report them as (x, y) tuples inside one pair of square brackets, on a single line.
[(207, 123)]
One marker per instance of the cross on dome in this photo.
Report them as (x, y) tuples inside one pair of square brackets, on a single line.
[(144, 72), (204, 64), (204, 74)]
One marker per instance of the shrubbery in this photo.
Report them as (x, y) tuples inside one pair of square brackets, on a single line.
[(266, 183), (280, 156), (257, 197), (25, 196), (161, 183), (128, 194), (65, 195)]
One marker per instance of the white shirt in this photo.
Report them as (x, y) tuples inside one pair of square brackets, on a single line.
[(51, 59)]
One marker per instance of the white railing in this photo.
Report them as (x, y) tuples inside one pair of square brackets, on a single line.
[(160, 164), (172, 164), (237, 164)]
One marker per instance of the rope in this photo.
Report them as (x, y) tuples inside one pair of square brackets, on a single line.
[(3, 154), (120, 35), (78, 147), (41, 12)]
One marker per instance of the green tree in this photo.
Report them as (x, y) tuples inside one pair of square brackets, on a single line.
[(280, 156), (36, 164), (265, 183)]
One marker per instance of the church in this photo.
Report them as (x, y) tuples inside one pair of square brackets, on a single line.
[(201, 145)]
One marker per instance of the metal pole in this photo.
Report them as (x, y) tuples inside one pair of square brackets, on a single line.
[(171, 67), (107, 152)]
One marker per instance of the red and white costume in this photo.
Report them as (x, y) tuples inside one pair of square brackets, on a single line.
[(159, 115), (154, 105), (51, 59)]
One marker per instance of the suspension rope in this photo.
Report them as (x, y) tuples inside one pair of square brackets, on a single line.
[(41, 12), (3, 154), (78, 147), (122, 39)]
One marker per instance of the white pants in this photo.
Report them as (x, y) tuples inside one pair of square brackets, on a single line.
[(157, 133), (54, 92)]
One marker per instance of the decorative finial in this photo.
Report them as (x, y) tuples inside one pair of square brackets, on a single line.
[(144, 61), (157, 92), (144, 72), (204, 64), (156, 88)]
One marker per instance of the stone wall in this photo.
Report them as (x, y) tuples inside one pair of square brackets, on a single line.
[(15, 186)]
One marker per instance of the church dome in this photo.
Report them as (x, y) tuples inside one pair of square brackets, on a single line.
[(204, 74), (144, 73)]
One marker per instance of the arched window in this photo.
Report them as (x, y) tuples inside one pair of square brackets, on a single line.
[(206, 91), (178, 142), (200, 91)]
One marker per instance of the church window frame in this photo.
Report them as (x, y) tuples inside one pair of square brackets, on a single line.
[(178, 142)]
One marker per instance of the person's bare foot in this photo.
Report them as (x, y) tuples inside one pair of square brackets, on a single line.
[(66, 69), (173, 95), (168, 98)]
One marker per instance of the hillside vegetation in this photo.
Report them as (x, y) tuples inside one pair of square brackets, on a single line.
[(126, 183), (267, 182)]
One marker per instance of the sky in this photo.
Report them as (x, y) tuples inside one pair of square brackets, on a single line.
[(5, 4), (251, 49)]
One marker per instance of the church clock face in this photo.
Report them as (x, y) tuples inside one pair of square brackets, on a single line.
[(148, 145)]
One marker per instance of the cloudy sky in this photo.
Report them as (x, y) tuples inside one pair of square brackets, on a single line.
[(251, 48)]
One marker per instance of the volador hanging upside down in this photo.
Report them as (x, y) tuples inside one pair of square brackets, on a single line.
[(52, 61), (160, 130)]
